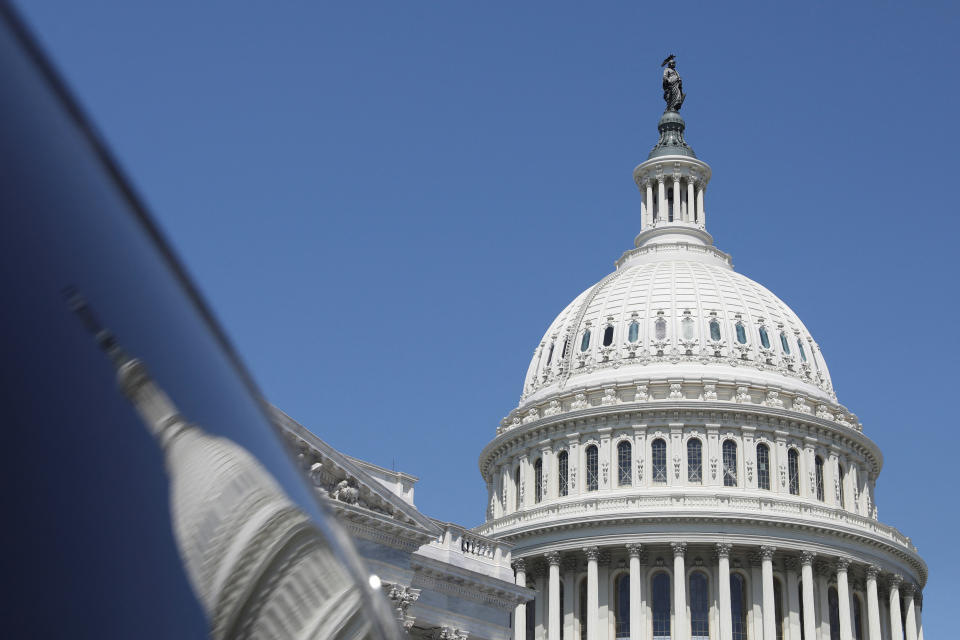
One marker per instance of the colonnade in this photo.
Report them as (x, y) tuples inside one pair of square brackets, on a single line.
[(800, 605), (687, 207)]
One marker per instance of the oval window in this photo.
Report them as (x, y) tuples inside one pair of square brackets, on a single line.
[(686, 328), (585, 342), (661, 329), (803, 354), (764, 338), (741, 334), (784, 343), (634, 333), (608, 336), (714, 330)]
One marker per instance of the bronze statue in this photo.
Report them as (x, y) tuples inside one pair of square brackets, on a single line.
[(673, 93)]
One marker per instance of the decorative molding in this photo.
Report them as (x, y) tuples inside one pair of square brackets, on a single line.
[(723, 549)]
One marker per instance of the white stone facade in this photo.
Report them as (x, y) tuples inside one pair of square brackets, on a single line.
[(679, 466)]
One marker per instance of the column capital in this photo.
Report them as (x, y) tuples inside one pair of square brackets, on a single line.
[(872, 571), (894, 580), (679, 548), (633, 550), (767, 551), (519, 565), (724, 549), (553, 558), (908, 589), (807, 557), (842, 564), (592, 553)]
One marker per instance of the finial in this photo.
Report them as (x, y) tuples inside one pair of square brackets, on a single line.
[(78, 304), (673, 93)]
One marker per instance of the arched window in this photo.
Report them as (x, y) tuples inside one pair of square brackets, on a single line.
[(729, 463), (699, 607), (763, 466), (608, 335), (793, 469), (819, 477), (803, 354), (840, 480), (857, 618), (538, 480), (764, 338), (592, 476), (660, 328), (624, 463), (714, 330), (563, 486), (784, 343), (633, 334), (741, 333), (516, 487), (660, 590), (585, 341), (531, 616), (833, 603), (778, 607), (583, 609), (738, 606), (550, 354), (658, 451), (621, 609), (694, 460)]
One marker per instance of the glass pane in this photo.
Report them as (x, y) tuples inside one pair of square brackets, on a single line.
[(562, 473), (660, 329), (686, 328), (661, 607), (622, 613), (585, 341), (694, 461), (538, 480), (784, 343), (729, 463), (763, 466), (741, 334), (550, 355), (803, 353), (634, 332), (738, 606), (624, 463), (819, 477), (714, 330), (793, 462), (699, 607), (608, 336), (592, 475), (834, 604), (764, 338), (659, 455)]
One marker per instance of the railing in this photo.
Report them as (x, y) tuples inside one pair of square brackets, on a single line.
[(470, 550)]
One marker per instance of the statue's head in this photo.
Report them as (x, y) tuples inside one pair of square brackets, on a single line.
[(670, 61)]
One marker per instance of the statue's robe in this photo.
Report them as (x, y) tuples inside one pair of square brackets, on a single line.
[(672, 89)]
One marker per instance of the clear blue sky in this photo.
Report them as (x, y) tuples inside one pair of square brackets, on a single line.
[(387, 203)]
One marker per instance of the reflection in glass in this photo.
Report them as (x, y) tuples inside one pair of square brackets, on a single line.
[(634, 332), (741, 334)]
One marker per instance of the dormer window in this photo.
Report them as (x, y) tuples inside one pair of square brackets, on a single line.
[(660, 329), (741, 333), (714, 330), (784, 343), (803, 354), (550, 354), (585, 341), (764, 338), (686, 327), (608, 335), (633, 333)]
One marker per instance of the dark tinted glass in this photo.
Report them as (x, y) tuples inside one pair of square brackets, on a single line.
[(110, 527)]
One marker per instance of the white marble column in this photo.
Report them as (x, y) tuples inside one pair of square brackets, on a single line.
[(723, 588), (843, 597), (677, 207), (663, 213), (769, 607), (553, 591), (681, 628), (593, 605), (918, 603), (809, 607), (520, 615), (873, 604), (911, 622), (896, 625), (701, 190), (569, 590), (636, 630), (691, 200), (649, 204)]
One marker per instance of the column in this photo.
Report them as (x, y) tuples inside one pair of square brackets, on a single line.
[(691, 200), (593, 605), (569, 590), (681, 628), (918, 603), (701, 189), (843, 596), (756, 598), (809, 608), (677, 209), (873, 603), (636, 630), (663, 215), (793, 597), (896, 626), (553, 609), (723, 587), (908, 590), (650, 214), (520, 615), (769, 608)]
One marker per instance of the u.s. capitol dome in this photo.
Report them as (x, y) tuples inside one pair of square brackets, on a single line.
[(679, 465)]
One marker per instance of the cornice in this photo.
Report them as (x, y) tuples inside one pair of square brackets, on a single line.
[(446, 578)]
